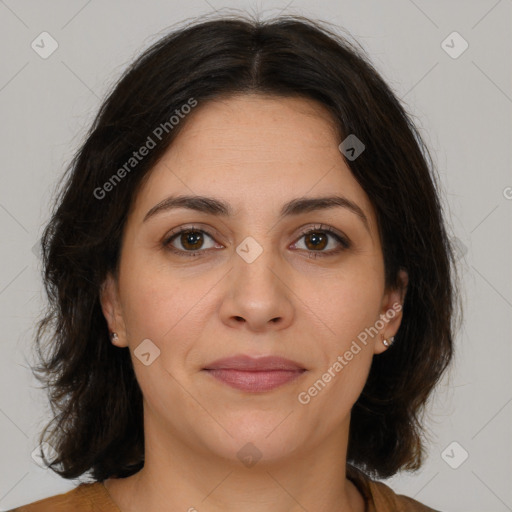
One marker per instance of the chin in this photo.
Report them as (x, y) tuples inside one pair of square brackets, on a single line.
[(258, 437)]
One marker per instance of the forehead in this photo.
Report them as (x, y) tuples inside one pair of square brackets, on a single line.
[(259, 122), (254, 150)]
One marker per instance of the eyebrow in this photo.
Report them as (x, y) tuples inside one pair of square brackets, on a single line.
[(220, 208)]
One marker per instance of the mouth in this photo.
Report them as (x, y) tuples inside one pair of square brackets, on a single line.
[(255, 375)]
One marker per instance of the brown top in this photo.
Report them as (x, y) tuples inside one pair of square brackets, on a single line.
[(94, 497)]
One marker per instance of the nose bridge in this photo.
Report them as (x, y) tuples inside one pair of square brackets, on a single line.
[(256, 262), (257, 293)]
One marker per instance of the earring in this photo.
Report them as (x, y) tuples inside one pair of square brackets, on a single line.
[(114, 336), (386, 342)]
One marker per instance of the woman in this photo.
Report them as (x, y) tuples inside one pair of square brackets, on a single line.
[(250, 282)]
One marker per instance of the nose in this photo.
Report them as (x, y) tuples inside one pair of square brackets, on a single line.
[(257, 296)]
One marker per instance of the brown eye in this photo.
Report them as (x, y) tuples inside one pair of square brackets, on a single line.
[(191, 239), (188, 240), (316, 240)]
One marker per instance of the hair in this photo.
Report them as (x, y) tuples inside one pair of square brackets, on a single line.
[(96, 402)]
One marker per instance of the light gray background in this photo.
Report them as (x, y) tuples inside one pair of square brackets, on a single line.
[(463, 107)]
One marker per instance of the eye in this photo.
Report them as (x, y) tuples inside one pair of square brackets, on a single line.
[(191, 240), (320, 237)]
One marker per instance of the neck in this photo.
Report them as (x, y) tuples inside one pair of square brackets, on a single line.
[(177, 476)]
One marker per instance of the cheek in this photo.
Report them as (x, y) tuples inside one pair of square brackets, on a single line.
[(350, 306), (348, 309), (349, 303), (164, 307)]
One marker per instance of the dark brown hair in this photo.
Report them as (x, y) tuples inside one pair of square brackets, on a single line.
[(97, 423)]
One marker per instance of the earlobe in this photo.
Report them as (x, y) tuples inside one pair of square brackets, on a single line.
[(110, 306)]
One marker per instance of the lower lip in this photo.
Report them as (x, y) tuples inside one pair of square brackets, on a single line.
[(255, 381)]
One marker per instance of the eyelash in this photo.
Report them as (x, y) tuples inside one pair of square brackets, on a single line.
[(345, 244)]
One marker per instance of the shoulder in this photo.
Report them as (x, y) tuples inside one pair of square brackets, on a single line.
[(86, 497), (381, 498), (386, 499)]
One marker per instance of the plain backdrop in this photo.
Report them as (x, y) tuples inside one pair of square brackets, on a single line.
[(462, 105)]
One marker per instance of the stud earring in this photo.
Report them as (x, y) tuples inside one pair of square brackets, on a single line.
[(114, 336), (386, 342)]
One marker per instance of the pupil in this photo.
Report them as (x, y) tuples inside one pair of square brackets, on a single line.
[(317, 240), (191, 238)]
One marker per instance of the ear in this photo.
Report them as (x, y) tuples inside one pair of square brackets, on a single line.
[(111, 307), (391, 312)]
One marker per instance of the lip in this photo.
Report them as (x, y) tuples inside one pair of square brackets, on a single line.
[(255, 364), (255, 375)]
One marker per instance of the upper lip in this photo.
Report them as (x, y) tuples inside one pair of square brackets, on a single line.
[(249, 363)]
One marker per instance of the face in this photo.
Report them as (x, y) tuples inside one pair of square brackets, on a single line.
[(305, 284)]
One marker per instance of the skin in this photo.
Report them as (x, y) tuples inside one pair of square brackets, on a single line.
[(198, 309)]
